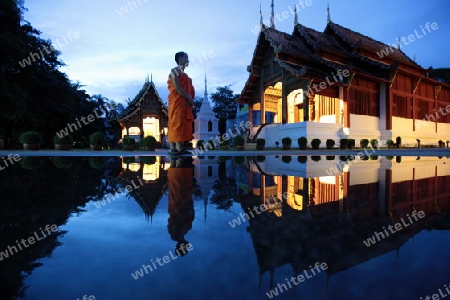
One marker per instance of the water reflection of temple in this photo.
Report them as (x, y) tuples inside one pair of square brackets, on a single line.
[(151, 171), (327, 214)]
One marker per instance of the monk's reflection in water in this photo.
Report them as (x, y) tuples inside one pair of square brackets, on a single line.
[(181, 204)]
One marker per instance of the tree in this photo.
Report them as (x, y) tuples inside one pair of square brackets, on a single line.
[(197, 105), (442, 74), (35, 95), (224, 105)]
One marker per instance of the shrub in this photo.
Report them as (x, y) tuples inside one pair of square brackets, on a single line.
[(390, 143), (97, 162), (260, 142), (239, 159), (389, 157), (129, 160), (286, 159), (373, 157), (62, 161), (330, 143), (64, 140), (302, 159), (148, 160), (363, 143), (31, 162), (260, 158), (331, 157), (343, 143), (286, 141), (302, 142), (238, 140), (315, 143), (374, 143), (97, 139), (201, 144), (211, 145), (128, 141), (148, 141), (30, 137), (351, 143), (316, 157)]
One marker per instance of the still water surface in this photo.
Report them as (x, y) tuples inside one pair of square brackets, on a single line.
[(225, 228)]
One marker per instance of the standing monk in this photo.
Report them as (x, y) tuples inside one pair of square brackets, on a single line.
[(181, 101)]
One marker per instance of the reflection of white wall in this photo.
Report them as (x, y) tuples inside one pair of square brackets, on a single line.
[(364, 172), (206, 172), (328, 179), (425, 167), (328, 119)]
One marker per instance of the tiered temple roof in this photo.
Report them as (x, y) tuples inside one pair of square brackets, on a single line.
[(311, 54), (135, 105)]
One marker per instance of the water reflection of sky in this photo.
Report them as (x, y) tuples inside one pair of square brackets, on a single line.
[(103, 246)]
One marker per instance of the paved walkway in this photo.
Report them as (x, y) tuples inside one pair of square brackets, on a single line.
[(164, 152)]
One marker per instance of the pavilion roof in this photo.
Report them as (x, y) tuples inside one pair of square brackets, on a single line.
[(134, 105)]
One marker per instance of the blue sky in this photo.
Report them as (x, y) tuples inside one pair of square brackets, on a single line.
[(111, 51)]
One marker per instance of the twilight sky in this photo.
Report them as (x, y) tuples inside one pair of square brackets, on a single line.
[(110, 46)]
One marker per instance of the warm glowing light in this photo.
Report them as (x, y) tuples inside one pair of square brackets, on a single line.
[(134, 167), (134, 131), (151, 172), (151, 127), (295, 201)]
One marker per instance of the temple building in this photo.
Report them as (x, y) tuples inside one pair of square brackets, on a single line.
[(145, 115), (341, 84)]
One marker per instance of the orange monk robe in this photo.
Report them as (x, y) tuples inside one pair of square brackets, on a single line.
[(181, 204), (180, 112)]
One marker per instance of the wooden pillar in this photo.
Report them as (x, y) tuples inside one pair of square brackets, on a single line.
[(250, 113), (388, 107), (311, 191), (284, 186), (437, 89), (312, 110), (305, 106), (262, 189), (415, 86), (388, 190), (346, 109), (283, 98), (263, 100)]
